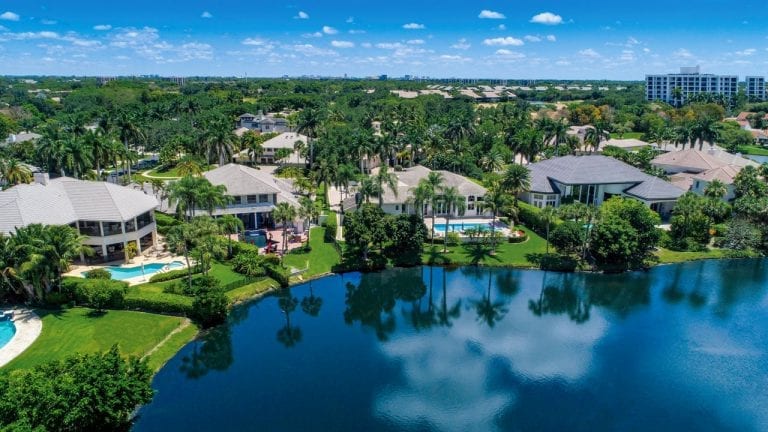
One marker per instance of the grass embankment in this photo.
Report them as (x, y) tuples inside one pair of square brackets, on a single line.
[(629, 135), (321, 259), (507, 254), (667, 256), (753, 150), (80, 330)]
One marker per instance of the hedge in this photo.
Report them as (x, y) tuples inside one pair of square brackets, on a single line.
[(159, 302), (81, 291), (532, 217), (165, 222), (172, 274), (330, 228), (280, 274)]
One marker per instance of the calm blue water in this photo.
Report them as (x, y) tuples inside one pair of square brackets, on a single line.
[(459, 227), (259, 240), (7, 330), (676, 348), (121, 273)]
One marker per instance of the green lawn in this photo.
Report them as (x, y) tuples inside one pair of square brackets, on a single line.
[(222, 272), (321, 259), (629, 135), (754, 150), (667, 256), (249, 291), (78, 330), (507, 254)]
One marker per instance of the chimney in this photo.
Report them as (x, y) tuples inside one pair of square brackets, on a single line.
[(41, 178), (711, 150)]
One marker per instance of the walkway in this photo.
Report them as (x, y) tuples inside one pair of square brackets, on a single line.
[(146, 174), (28, 328)]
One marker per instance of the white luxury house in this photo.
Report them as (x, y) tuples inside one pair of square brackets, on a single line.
[(262, 123), (255, 194), (108, 215), (594, 179), (408, 179), (286, 140)]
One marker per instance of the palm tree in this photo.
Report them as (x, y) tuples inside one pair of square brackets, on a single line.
[(420, 196), (516, 179), (284, 213), (211, 197), (189, 193), (430, 186), (325, 174), (180, 239), (488, 311), (76, 156), (367, 189), (189, 165), (288, 335), (308, 211), (492, 161), (309, 124), (99, 147), (252, 144), (388, 179), (13, 172), (130, 133), (707, 129), (715, 189), (219, 140), (595, 135), (230, 225), (548, 213), (62, 245), (452, 199), (495, 200)]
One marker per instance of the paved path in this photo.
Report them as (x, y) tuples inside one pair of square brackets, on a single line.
[(28, 328), (146, 174)]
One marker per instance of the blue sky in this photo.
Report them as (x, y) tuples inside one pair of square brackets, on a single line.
[(496, 39)]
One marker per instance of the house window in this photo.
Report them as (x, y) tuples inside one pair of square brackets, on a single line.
[(470, 206), (471, 198), (397, 207), (252, 199), (263, 198)]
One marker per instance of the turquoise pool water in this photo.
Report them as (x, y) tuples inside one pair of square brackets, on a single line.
[(7, 330), (122, 273), (461, 227)]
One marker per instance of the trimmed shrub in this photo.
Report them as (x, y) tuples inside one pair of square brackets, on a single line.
[(98, 273), (452, 238), (249, 263), (173, 274), (330, 228), (209, 308), (532, 217), (159, 303), (280, 274), (165, 222), (102, 294)]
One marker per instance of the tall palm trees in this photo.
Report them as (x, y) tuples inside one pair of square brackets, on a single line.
[(595, 135), (452, 200), (284, 213), (13, 172), (219, 140), (385, 178), (190, 193), (428, 190), (516, 179), (230, 225), (494, 201), (130, 134), (309, 124), (252, 144)]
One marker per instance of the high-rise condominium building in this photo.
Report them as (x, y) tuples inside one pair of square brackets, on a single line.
[(756, 88), (677, 88)]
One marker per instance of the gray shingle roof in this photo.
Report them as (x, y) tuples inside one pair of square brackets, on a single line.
[(242, 180), (594, 169), (66, 200)]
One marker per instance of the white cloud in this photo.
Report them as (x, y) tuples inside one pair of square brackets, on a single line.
[(589, 53), (416, 42), (454, 58), (502, 27), (312, 35), (102, 27), (547, 18), (313, 51), (503, 41), (509, 54), (206, 14), (389, 45), (353, 31), (254, 41), (343, 44), (531, 38), (627, 55), (329, 30), (489, 14), (366, 45), (350, 20), (302, 15), (3, 28), (9, 16), (48, 22), (414, 26), (461, 44), (146, 42), (551, 38), (646, 50), (683, 53), (746, 53)]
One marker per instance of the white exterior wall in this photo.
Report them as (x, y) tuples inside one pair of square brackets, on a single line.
[(699, 186)]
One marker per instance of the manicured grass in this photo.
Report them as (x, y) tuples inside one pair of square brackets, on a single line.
[(754, 150), (222, 272), (80, 330), (322, 258), (629, 135), (667, 256), (171, 346), (251, 290), (507, 254)]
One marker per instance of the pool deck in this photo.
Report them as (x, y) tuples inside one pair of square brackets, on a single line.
[(28, 328), (79, 270), (500, 227)]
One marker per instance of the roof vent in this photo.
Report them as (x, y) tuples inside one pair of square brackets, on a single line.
[(41, 178)]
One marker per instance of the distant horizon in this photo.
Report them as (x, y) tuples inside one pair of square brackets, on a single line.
[(591, 40)]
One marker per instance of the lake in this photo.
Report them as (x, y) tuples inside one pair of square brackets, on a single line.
[(679, 347)]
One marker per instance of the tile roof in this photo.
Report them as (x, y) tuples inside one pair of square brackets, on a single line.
[(242, 180), (409, 179), (725, 174), (700, 160), (65, 200), (596, 169)]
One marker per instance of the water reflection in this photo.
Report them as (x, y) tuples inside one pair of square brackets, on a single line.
[(311, 304), (212, 352), (288, 335), (490, 312)]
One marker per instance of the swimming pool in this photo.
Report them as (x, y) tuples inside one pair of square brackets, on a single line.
[(458, 227), (122, 273), (256, 237), (7, 330)]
